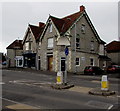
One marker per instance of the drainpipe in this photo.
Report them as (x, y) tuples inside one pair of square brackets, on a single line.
[(75, 49)]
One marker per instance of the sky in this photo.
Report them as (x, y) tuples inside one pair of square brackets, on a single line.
[(15, 17)]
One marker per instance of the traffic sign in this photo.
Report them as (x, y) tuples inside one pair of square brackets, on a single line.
[(66, 51)]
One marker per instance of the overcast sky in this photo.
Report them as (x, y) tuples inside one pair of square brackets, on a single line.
[(17, 15)]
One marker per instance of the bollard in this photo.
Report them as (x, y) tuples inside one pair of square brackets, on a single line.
[(104, 83), (59, 77)]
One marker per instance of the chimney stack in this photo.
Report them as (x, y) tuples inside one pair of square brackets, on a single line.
[(82, 8), (41, 24)]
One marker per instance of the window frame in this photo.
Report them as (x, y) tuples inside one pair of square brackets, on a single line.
[(77, 61), (92, 46), (92, 62), (49, 46), (50, 28), (83, 28), (78, 43)]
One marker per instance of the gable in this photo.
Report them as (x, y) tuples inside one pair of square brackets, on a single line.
[(113, 46), (17, 44), (35, 31)]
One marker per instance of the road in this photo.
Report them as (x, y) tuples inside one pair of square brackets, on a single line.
[(28, 90)]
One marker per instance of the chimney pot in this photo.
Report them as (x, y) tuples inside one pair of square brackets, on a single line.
[(82, 8)]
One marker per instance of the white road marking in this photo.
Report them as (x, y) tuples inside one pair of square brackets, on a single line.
[(2, 83), (110, 107), (15, 102)]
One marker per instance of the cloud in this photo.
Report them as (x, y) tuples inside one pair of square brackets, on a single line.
[(17, 15)]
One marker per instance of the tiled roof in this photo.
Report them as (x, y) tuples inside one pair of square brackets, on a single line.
[(114, 46), (37, 30), (17, 44), (64, 24)]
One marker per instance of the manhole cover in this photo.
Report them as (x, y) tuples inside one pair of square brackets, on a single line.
[(98, 104)]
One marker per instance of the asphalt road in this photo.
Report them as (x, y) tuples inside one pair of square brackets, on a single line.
[(28, 90)]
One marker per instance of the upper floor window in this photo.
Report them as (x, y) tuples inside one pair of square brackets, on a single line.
[(50, 28), (50, 42), (83, 28), (77, 61), (27, 45), (77, 43), (92, 46)]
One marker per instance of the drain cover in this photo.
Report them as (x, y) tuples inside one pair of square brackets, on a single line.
[(99, 105)]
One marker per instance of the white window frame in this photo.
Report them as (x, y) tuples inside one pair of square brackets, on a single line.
[(51, 27), (27, 46), (77, 61), (50, 43)]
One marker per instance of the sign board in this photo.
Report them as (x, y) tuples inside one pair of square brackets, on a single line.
[(66, 51)]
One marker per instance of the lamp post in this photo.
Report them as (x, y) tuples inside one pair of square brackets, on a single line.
[(63, 41)]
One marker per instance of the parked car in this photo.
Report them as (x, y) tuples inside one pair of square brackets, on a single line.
[(93, 70), (4, 63), (113, 69)]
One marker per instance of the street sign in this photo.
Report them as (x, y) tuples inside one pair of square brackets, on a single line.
[(66, 51)]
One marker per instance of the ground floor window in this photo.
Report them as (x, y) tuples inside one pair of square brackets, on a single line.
[(104, 64), (19, 61), (77, 61), (29, 60), (91, 61)]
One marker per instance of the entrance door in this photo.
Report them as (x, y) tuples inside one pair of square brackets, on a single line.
[(50, 63), (62, 63)]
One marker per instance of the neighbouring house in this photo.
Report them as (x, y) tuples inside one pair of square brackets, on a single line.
[(113, 52), (86, 47), (14, 54), (30, 45)]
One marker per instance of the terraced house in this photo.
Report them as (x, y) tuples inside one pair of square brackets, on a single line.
[(86, 47), (30, 45)]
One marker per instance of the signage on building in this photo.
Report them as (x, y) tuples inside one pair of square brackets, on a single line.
[(66, 51)]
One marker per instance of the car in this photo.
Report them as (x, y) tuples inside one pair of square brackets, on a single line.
[(4, 63), (113, 69), (93, 70)]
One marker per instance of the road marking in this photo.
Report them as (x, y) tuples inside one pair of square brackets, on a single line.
[(95, 81), (2, 83), (99, 104), (18, 104), (80, 89), (110, 107)]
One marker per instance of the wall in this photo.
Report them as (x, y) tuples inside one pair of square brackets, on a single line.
[(11, 53), (115, 57)]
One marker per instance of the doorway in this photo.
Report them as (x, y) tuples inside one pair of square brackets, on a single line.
[(62, 64), (50, 63)]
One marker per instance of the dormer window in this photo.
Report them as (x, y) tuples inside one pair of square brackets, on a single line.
[(83, 28)]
